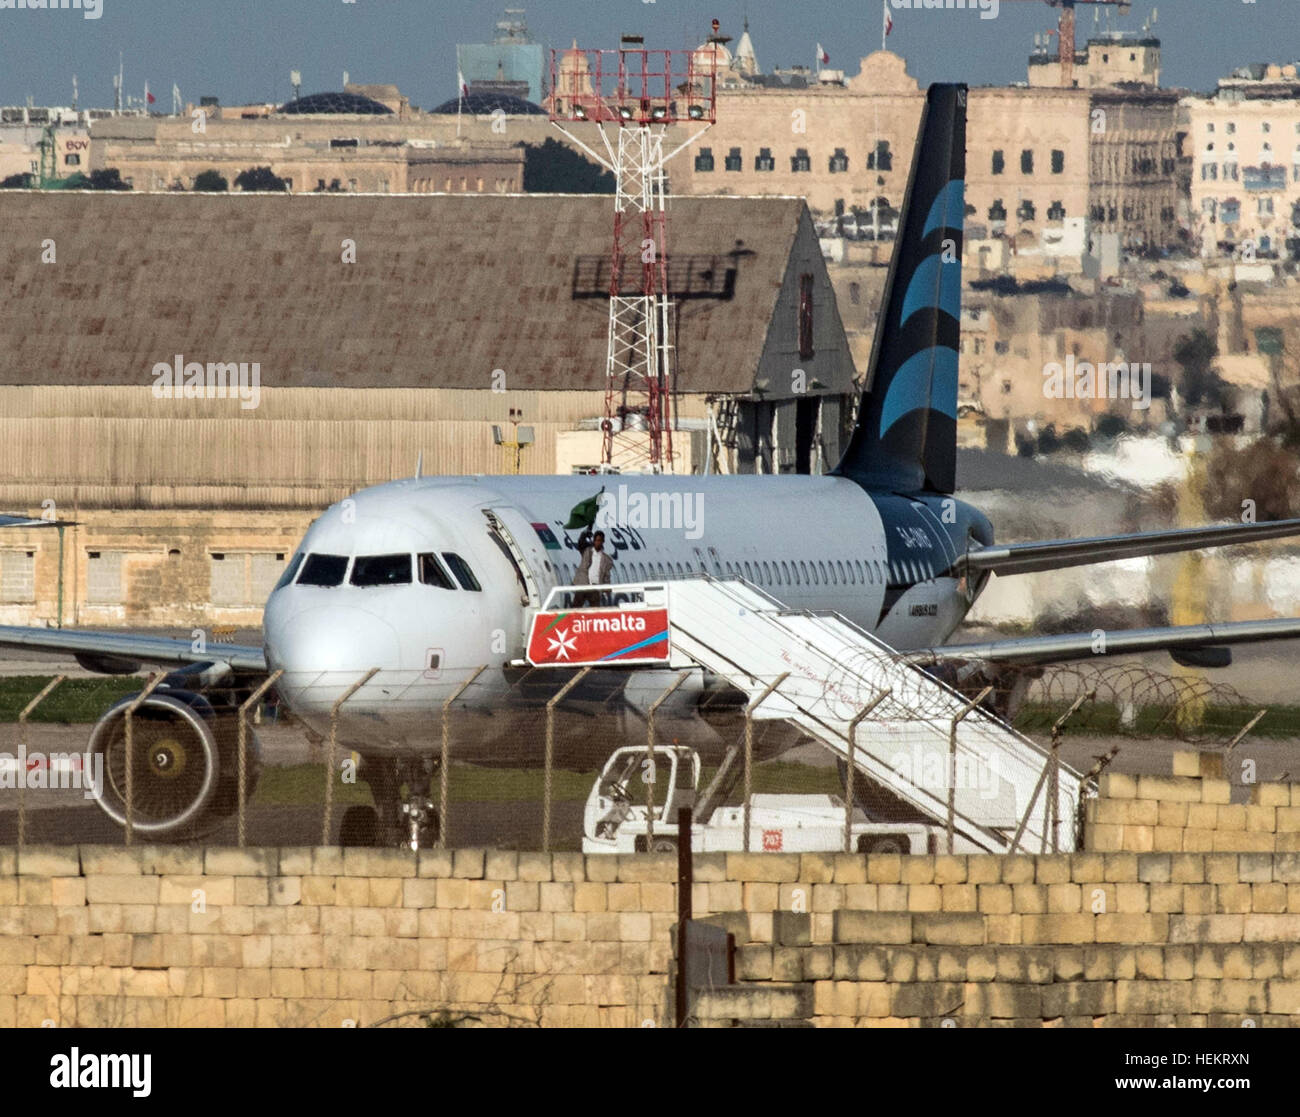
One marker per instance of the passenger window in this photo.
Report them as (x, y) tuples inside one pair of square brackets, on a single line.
[(433, 574), (821, 569), (381, 570), (844, 581), (460, 568), (815, 580), (290, 571), (767, 573), (749, 574), (862, 580), (323, 570), (803, 568), (785, 572)]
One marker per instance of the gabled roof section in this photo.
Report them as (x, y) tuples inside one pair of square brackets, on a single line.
[(445, 288)]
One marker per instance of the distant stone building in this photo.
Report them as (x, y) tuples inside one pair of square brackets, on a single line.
[(312, 151), (1245, 175), (1115, 58), (1037, 156)]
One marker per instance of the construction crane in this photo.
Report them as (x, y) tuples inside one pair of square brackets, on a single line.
[(1065, 28)]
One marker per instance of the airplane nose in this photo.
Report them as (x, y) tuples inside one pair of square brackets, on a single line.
[(335, 645)]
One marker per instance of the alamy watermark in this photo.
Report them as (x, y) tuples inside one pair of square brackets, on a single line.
[(988, 9), (215, 380), (38, 771), (1105, 380), (671, 510), (89, 9)]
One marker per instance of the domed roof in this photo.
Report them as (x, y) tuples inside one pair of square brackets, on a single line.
[(337, 103), (484, 104)]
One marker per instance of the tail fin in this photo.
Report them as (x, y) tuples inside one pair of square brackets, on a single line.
[(906, 435)]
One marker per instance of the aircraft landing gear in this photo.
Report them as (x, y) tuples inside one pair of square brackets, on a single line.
[(404, 816)]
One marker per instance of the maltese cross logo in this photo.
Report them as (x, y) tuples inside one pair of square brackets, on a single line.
[(562, 644)]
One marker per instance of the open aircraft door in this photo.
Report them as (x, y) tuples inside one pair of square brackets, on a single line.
[(527, 553)]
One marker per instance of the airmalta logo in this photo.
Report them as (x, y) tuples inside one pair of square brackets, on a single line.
[(599, 636)]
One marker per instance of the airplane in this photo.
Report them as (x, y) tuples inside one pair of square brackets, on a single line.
[(426, 579)]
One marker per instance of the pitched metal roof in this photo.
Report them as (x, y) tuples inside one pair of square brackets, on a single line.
[(445, 288)]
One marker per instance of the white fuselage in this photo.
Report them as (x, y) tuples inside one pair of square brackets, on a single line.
[(815, 543)]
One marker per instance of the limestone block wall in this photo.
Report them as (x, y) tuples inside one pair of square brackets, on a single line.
[(182, 936), (1191, 812)]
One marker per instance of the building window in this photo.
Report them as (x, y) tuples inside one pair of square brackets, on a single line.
[(997, 211), (799, 161), (243, 579), (1025, 211), (855, 293), (17, 577), (1056, 212), (1230, 172), (880, 158), (1265, 126), (1210, 127), (103, 577), (764, 161), (805, 317), (999, 162), (1265, 207), (1229, 212), (733, 162), (1097, 213), (1058, 162), (73, 160), (704, 160), (1209, 172), (1026, 162), (839, 161), (1231, 127)]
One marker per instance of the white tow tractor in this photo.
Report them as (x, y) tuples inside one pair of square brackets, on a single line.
[(616, 814)]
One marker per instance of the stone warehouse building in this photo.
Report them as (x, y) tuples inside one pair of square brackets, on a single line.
[(456, 311)]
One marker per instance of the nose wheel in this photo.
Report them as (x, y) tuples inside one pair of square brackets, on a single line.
[(404, 815)]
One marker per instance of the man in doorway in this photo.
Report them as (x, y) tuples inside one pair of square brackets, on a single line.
[(594, 569)]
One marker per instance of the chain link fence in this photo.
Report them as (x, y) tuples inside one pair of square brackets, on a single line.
[(526, 758)]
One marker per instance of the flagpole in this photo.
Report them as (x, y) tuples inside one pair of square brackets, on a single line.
[(460, 93)]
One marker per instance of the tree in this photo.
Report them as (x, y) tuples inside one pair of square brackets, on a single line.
[(1263, 472), (15, 182), (211, 182), (1196, 352), (260, 179), (555, 168), (109, 178)]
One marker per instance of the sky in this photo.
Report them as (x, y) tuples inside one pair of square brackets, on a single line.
[(243, 50)]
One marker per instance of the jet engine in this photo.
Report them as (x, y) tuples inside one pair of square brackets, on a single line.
[(185, 764)]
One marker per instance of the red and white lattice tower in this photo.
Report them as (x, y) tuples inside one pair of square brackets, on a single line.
[(631, 96)]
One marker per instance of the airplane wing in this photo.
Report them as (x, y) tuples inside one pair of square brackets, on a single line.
[(1024, 558), (121, 653), (1029, 650)]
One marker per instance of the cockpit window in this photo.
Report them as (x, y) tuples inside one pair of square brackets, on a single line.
[(432, 572), (323, 570), (381, 570), (290, 571), (460, 568)]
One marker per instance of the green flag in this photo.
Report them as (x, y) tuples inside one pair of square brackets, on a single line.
[(584, 512)]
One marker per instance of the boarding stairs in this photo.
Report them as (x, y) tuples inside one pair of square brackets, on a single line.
[(830, 670)]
